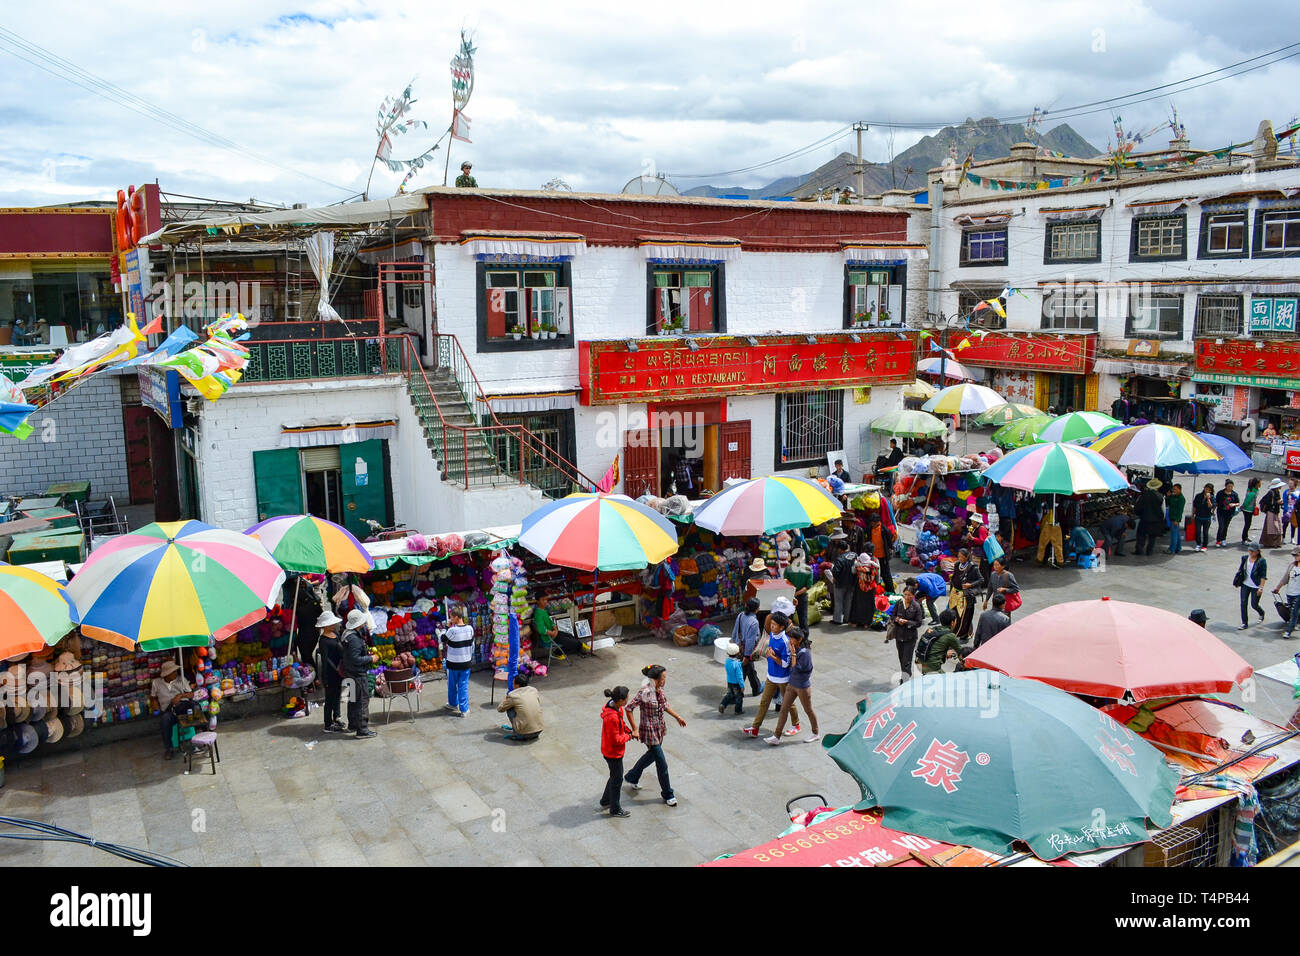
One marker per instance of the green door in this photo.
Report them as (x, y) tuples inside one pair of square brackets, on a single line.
[(278, 478), (365, 485)]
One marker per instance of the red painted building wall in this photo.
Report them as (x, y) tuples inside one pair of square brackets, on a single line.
[(608, 220)]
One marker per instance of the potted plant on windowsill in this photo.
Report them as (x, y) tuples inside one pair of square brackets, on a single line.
[(863, 320), (548, 330), (884, 317), (516, 332), (673, 326)]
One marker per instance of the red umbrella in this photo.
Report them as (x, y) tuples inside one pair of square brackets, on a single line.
[(1107, 648)]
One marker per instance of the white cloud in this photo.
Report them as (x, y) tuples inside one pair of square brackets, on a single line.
[(591, 90)]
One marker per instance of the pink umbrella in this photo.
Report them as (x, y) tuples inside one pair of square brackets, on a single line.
[(1106, 648)]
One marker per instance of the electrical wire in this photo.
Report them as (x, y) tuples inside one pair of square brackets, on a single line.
[(64, 69), (48, 832), (802, 150)]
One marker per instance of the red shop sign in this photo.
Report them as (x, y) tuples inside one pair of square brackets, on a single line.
[(1249, 358), (659, 369), (1292, 459), (1047, 353)]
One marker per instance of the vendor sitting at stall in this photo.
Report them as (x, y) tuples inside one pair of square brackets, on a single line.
[(839, 472), (891, 459), (547, 630), (174, 694)]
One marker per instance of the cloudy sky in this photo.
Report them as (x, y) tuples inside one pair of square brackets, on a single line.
[(592, 92)]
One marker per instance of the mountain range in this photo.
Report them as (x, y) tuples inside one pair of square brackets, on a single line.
[(985, 138)]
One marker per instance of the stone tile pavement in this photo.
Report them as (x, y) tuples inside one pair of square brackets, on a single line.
[(446, 791)]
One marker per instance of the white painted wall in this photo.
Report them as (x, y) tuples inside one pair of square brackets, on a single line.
[(1025, 268), (251, 417)]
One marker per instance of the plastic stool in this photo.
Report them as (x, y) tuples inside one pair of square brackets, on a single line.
[(203, 743)]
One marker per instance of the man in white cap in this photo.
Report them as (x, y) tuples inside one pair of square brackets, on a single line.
[(329, 652), (465, 180), (357, 659), (168, 690)]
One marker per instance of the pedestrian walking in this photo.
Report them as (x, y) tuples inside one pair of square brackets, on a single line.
[(652, 704), (778, 673), (1151, 517), (1226, 503), (993, 621), (357, 658), (1003, 582), (867, 571), (614, 735), (845, 577), (1175, 505), (1271, 506), (800, 687), (1290, 584), (800, 575), (928, 586), (965, 590), (1203, 513), (905, 628), (938, 644), (735, 674), (745, 633), (458, 653), (1290, 512), (1249, 580), (1249, 507), (329, 665)]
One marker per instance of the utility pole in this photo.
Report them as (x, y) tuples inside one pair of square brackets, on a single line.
[(858, 128)]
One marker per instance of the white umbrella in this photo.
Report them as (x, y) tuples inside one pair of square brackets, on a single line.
[(951, 368)]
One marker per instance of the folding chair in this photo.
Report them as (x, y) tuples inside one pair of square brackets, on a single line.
[(403, 683)]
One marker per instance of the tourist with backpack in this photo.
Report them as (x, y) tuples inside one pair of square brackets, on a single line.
[(938, 644)]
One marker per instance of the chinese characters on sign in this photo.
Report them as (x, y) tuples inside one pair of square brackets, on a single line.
[(940, 766), (610, 372), (1047, 353), (1272, 315), (1236, 362)]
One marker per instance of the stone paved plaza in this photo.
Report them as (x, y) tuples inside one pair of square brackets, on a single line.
[(447, 791)]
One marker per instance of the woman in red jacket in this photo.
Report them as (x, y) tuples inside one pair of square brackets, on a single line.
[(614, 735)]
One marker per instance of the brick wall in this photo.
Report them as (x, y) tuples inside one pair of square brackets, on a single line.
[(79, 437)]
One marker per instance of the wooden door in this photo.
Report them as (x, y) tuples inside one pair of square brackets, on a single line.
[(139, 463), (735, 441), (640, 465)]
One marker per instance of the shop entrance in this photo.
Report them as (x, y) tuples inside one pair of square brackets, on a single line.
[(1065, 393), (687, 451)]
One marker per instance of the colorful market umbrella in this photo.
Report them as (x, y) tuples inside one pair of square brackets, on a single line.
[(312, 545), (1052, 468), (35, 612), (1232, 461), (909, 423), (982, 759), (1023, 431), (174, 584), (598, 533), (1005, 413), (766, 506), (1107, 648), (1078, 426), (919, 389), (964, 399), (1154, 446), (951, 368)]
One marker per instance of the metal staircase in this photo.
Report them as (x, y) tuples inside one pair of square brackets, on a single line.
[(472, 446)]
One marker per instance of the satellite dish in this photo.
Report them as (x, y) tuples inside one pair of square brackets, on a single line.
[(650, 186)]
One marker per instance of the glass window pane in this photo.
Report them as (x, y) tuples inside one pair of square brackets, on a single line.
[(667, 280), (698, 280)]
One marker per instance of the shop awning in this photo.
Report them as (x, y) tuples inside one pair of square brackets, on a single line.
[(315, 432), (549, 401), (1249, 286), (1149, 369), (1281, 410), (894, 253), (662, 248), (539, 245), (1065, 214), (322, 217)]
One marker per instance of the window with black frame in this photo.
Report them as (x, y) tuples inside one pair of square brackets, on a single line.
[(524, 306), (1224, 234), (1069, 308), (1277, 232), (808, 426), (1158, 237), (984, 247), (1073, 241), (685, 299), (1218, 316), (1156, 316)]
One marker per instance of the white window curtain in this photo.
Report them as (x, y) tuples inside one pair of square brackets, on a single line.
[(320, 255)]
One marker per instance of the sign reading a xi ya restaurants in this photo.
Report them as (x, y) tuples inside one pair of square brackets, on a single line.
[(669, 369)]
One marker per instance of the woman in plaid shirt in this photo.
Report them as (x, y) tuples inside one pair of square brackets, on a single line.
[(652, 704)]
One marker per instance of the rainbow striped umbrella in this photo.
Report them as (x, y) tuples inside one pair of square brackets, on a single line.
[(174, 584), (1154, 446), (766, 506), (1078, 426), (964, 399), (598, 533), (1052, 468), (34, 611), (1021, 432), (312, 545)]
